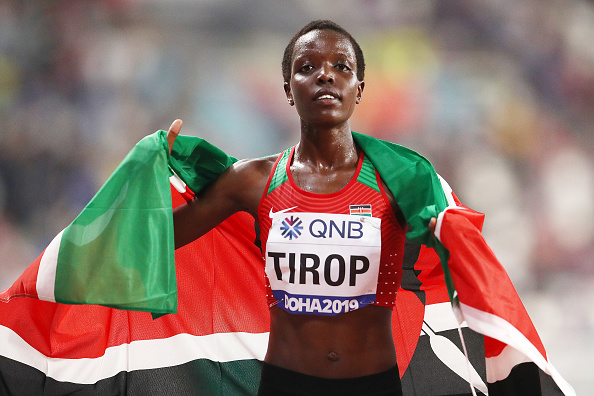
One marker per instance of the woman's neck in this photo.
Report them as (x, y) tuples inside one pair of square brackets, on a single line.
[(326, 148)]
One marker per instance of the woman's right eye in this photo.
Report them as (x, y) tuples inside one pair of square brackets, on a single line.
[(306, 68)]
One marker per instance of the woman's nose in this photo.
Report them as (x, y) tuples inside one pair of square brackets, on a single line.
[(326, 75)]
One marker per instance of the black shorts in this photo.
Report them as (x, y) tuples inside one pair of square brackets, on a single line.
[(278, 381)]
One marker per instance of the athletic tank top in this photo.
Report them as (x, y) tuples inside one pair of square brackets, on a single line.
[(328, 254)]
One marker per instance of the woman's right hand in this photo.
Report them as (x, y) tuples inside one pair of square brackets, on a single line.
[(173, 132)]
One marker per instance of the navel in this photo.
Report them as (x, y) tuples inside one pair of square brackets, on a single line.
[(332, 356)]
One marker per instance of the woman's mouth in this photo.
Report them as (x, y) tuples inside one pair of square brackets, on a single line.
[(326, 97)]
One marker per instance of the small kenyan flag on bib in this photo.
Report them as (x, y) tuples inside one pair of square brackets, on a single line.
[(361, 210)]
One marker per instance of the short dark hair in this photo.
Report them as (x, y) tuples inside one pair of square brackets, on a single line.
[(322, 24)]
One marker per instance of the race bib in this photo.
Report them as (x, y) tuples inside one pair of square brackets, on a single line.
[(321, 263)]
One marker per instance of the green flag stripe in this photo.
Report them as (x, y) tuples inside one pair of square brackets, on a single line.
[(119, 251), (416, 188), (199, 377), (412, 181), (197, 162)]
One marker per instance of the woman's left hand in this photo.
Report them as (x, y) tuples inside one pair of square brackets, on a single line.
[(432, 224), (173, 132)]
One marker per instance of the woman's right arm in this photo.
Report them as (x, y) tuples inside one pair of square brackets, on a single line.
[(238, 188)]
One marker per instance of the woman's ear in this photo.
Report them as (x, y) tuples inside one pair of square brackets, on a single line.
[(360, 92), (287, 88)]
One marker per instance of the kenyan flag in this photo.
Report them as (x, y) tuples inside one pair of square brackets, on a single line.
[(118, 253)]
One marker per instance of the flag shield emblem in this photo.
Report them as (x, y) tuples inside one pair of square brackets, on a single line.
[(360, 210)]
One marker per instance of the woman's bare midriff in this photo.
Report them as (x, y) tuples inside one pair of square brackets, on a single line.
[(349, 345)]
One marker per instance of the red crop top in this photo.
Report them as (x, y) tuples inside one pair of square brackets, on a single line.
[(327, 254)]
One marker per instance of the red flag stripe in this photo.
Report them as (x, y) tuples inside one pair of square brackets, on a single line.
[(488, 300), (25, 285), (474, 267)]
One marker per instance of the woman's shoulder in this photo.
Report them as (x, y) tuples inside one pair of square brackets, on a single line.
[(249, 174), (255, 167), (245, 181)]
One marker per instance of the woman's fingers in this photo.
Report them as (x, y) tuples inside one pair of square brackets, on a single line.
[(173, 132), (432, 224)]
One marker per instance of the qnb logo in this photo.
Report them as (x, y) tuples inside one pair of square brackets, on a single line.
[(291, 227)]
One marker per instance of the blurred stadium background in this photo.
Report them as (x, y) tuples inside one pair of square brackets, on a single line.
[(498, 94)]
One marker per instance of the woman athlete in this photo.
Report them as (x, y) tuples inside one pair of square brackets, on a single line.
[(351, 350)]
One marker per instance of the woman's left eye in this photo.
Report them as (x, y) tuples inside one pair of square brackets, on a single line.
[(343, 67)]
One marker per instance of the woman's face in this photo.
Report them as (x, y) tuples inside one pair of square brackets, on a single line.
[(324, 85)]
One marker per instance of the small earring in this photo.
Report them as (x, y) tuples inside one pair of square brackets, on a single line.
[(290, 102)]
